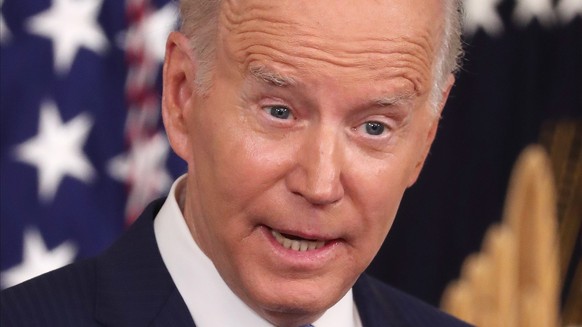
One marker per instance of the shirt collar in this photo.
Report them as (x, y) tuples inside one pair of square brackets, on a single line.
[(207, 296)]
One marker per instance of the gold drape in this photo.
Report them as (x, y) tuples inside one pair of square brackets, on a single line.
[(515, 279)]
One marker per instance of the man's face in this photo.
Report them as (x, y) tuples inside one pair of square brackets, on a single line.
[(317, 121)]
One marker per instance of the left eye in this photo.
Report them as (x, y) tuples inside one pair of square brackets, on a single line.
[(279, 112), (374, 128)]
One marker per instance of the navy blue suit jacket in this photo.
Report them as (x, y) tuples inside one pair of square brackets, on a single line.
[(129, 285)]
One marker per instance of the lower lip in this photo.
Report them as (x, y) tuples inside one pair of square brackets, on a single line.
[(306, 259)]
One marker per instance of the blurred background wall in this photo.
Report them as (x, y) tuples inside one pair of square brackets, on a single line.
[(82, 149)]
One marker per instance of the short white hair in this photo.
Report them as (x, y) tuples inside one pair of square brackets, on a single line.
[(199, 22), (450, 53)]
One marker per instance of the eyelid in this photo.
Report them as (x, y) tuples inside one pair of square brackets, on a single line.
[(273, 101)]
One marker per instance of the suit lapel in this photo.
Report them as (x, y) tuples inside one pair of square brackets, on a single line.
[(134, 287), (375, 307), (173, 313)]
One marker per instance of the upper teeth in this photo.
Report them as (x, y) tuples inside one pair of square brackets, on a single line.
[(297, 245)]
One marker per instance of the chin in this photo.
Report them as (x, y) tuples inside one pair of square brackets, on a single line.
[(297, 303), (291, 315)]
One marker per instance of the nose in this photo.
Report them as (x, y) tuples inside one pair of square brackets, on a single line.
[(317, 175)]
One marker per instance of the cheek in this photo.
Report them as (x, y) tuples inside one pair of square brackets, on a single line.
[(377, 187), (383, 206), (233, 163), (379, 224), (383, 183)]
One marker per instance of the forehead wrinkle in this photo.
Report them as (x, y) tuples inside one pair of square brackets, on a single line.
[(234, 18), (380, 63), (418, 47), (411, 54), (256, 33)]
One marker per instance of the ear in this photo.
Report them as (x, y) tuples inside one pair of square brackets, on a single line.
[(179, 92), (429, 138)]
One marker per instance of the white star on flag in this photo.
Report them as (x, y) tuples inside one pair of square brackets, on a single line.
[(4, 31), (568, 9), (37, 259), (144, 168), (71, 24), (157, 27), (526, 10), (482, 14), (57, 150)]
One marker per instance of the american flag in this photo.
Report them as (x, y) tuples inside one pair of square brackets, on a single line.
[(82, 147)]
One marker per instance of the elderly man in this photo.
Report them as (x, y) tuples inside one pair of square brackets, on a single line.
[(302, 122)]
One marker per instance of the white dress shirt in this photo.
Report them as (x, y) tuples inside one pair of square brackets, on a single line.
[(209, 299)]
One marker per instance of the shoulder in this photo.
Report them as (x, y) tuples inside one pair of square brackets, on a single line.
[(72, 295), (378, 302), (62, 297)]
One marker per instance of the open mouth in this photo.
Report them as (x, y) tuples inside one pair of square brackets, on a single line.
[(296, 243)]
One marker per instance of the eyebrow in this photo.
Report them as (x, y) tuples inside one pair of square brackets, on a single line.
[(264, 74), (388, 101)]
